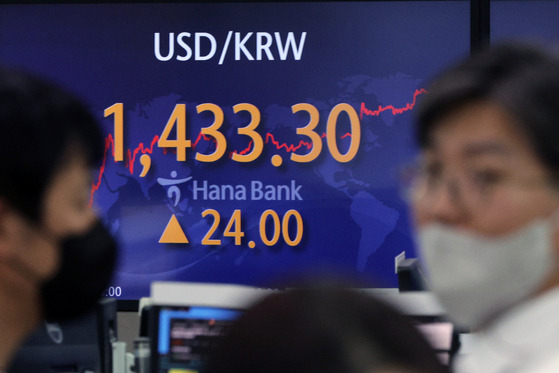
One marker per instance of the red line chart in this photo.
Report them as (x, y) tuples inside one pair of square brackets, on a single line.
[(131, 154), (394, 110)]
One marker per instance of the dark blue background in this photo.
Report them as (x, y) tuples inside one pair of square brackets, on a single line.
[(533, 20), (377, 53)]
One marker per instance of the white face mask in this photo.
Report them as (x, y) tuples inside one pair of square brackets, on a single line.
[(477, 277)]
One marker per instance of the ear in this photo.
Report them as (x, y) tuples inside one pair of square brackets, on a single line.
[(10, 224), (555, 242), (552, 279)]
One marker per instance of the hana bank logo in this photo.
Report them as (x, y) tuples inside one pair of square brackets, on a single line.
[(173, 192)]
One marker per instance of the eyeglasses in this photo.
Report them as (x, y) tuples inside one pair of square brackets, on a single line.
[(473, 188)]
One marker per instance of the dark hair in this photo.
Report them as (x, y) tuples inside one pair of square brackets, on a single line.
[(39, 124), (322, 330), (523, 79)]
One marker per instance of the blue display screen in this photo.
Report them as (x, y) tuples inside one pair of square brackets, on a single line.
[(186, 337), (247, 142), (198, 314), (533, 20)]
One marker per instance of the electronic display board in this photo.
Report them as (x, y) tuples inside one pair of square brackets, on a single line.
[(531, 21), (246, 142)]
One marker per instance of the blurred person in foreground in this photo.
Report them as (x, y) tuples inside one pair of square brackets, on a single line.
[(323, 330), (485, 198), (55, 256)]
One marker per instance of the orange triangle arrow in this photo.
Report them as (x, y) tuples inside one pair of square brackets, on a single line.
[(173, 233)]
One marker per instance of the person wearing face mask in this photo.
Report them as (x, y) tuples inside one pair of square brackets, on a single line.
[(56, 258), (485, 200)]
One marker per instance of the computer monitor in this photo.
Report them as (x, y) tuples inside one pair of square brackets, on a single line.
[(181, 338), (80, 345)]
